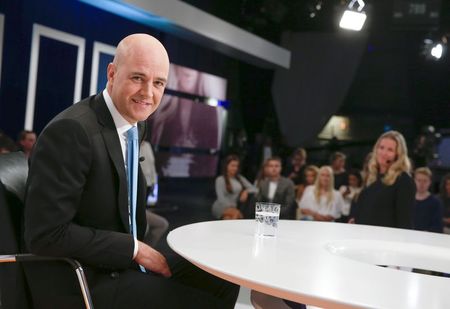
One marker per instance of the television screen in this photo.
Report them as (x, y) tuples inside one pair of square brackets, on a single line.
[(170, 164), (190, 81), (187, 132)]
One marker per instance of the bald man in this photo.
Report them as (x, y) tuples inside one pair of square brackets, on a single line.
[(77, 202)]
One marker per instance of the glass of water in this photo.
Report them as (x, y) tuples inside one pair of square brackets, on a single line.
[(267, 215)]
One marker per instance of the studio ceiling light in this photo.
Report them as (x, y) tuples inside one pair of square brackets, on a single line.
[(435, 49), (353, 19)]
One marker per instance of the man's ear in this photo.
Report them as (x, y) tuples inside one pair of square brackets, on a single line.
[(111, 70)]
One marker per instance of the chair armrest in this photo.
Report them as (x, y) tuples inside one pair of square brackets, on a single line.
[(76, 266)]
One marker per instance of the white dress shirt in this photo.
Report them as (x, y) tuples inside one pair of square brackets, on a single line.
[(273, 185), (122, 126)]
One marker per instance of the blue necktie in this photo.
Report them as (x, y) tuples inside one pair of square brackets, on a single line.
[(132, 174)]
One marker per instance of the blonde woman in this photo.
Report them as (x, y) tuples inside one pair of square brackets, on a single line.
[(321, 202), (388, 196)]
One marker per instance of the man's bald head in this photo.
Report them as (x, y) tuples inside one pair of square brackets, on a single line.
[(137, 43), (137, 76)]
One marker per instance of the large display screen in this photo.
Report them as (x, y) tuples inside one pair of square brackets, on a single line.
[(190, 81), (185, 130), (180, 122)]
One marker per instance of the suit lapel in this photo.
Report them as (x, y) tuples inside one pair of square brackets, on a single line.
[(279, 191), (141, 219), (112, 143), (265, 188)]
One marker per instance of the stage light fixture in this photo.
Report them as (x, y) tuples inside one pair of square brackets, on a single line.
[(353, 19), (435, 49), (314, 8)]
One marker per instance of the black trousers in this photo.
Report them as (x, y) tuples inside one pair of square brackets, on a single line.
[(189, 287)]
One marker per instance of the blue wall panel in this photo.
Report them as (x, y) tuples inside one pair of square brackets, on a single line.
[(79, 19), (55, 80), (103, 62)]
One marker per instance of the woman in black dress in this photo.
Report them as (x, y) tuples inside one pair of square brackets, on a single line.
[(388, 196)]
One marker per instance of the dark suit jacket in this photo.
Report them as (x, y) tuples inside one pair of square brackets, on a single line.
[(77, 201), (284, 195)]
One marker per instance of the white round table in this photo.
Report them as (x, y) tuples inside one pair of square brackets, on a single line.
[(331, 265)]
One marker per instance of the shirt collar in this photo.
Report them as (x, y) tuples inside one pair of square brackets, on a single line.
[(120, 122)]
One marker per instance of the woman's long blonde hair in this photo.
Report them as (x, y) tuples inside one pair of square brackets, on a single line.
[(400, 165), (330, 189)]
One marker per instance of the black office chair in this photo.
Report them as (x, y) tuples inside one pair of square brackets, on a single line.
[(13, 285)]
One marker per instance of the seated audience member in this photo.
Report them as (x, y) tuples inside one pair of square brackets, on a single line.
[(337, 162), (311, 172), (275, 188), (349, 192), (260, 175), (321, 202), (156, 224), (85, 199), (444, 194), (26, 141), (232, 189), (427, 208), (296, 170)]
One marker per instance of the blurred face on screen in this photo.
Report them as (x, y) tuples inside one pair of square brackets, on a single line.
[(187, 79), (138, 76)]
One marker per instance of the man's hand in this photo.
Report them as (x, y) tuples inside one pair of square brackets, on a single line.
[(152, 260)]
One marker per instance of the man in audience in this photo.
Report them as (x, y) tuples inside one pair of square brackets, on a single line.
[(26, 141), (277, 189), (337, 162), (86, 199)]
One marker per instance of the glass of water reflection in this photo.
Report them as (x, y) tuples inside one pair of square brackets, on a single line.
[(267, 215)]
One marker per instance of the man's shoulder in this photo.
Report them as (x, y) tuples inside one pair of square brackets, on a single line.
[(80, 115), (78, 111), (286, 181)]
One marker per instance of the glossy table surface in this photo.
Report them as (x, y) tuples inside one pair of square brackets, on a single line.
[(323, 264)]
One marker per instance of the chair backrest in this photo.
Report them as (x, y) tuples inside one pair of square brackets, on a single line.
[(14, 173), (13, 176)]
